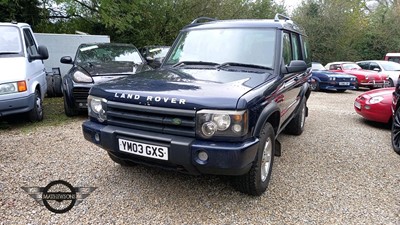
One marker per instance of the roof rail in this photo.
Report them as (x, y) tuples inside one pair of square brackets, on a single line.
[(203, 18), (281, 16)]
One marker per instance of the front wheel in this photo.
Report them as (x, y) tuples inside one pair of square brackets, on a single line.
[(69, 111), (314, 86), (395, 136), (296, 125), (36, 113), (255, 182)]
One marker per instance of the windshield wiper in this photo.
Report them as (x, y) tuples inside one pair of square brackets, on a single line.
[(8, 53), (222, 65), (183, 63)]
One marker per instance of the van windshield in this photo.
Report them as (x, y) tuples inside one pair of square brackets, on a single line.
[(218, 46), (10, 40)]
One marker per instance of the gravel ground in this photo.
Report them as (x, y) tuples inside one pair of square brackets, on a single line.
[(341, 170)]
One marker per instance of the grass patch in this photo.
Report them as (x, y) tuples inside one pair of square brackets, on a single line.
[(53, 115)]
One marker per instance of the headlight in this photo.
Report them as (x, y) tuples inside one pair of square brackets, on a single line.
[(97, 108), (80, 77), (215, 123), (12, 87), (375, 100), (332, 78)]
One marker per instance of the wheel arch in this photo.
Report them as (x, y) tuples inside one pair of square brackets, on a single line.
[(270, 114)]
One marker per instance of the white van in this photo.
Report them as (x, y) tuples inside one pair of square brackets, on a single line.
[(22, 72)]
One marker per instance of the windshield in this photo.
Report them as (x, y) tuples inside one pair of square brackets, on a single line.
[(108, 53), (350, 66), (10, 40), (317, 66), (247, 46), (390, 66)]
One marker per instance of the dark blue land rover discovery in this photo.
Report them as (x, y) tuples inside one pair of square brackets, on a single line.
[(224, 92)]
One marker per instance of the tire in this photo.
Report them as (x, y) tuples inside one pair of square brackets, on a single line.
[(296, 125), (314, 86), (36, 113), (120, 161), (395, 134), (255, 182), (69, 111), (50, 84), (356, 85), (57, 85), (341, 90), (391, 83)]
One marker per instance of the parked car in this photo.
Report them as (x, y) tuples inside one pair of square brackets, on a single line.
[(375, 105), (23, 78), (97, 63), (217, 105), (388, 68), (394, 57), (365, 78), (154, 54), (324, 79)]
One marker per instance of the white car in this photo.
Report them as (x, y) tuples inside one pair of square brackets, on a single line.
[(388, 68)]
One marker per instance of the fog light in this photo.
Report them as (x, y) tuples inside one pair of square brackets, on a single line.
[(97, 137), (80, 104), (237, 128), (367, 107), (202, 155)]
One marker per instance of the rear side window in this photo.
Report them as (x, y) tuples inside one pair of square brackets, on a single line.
[(30, 43), (373, 66)]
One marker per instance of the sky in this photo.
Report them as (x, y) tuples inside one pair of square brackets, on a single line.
[(289, 4)]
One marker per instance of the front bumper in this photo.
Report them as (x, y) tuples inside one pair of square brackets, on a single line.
[(224, 158), (16, 105), (334, 85), (379, 112), (374, 83)]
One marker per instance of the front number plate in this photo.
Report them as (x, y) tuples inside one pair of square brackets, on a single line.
[(344, 83), (142, 149), (357, 105)]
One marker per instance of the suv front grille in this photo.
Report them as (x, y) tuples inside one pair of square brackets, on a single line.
[(150, 118), (80, 94)]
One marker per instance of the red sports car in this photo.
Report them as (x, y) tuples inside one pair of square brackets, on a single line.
[(365, 78), (375, 105)]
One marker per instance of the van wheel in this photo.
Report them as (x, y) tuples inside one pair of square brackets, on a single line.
[(36, 113), (69, 111), (255, 182), (296, 125)]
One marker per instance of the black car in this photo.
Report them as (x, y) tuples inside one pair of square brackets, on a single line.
[(154, 54), (97, 63)]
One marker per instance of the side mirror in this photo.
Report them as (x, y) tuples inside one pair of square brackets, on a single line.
[(377, 69), (66, 60), (159, 60), (149, 58), (42, 54), (296, 66)]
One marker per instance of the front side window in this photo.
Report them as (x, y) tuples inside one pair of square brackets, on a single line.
[(108, 53), (287, 49), (237, 45), (296, 47), (10, 40), (364, 65), (30, 45)]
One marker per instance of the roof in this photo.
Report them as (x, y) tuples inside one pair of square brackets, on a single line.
[(15, 24), (105, 44), (247, 23), (393, 54)]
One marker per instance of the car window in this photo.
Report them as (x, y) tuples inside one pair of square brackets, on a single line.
[(318, 66), (364, 65), (296, 47), (394, 59), (373, 66), (10, 39), (335, 67), (29, 42), (350, 66), (390, 66), (240, 45), (287, 48), (108, 53)]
